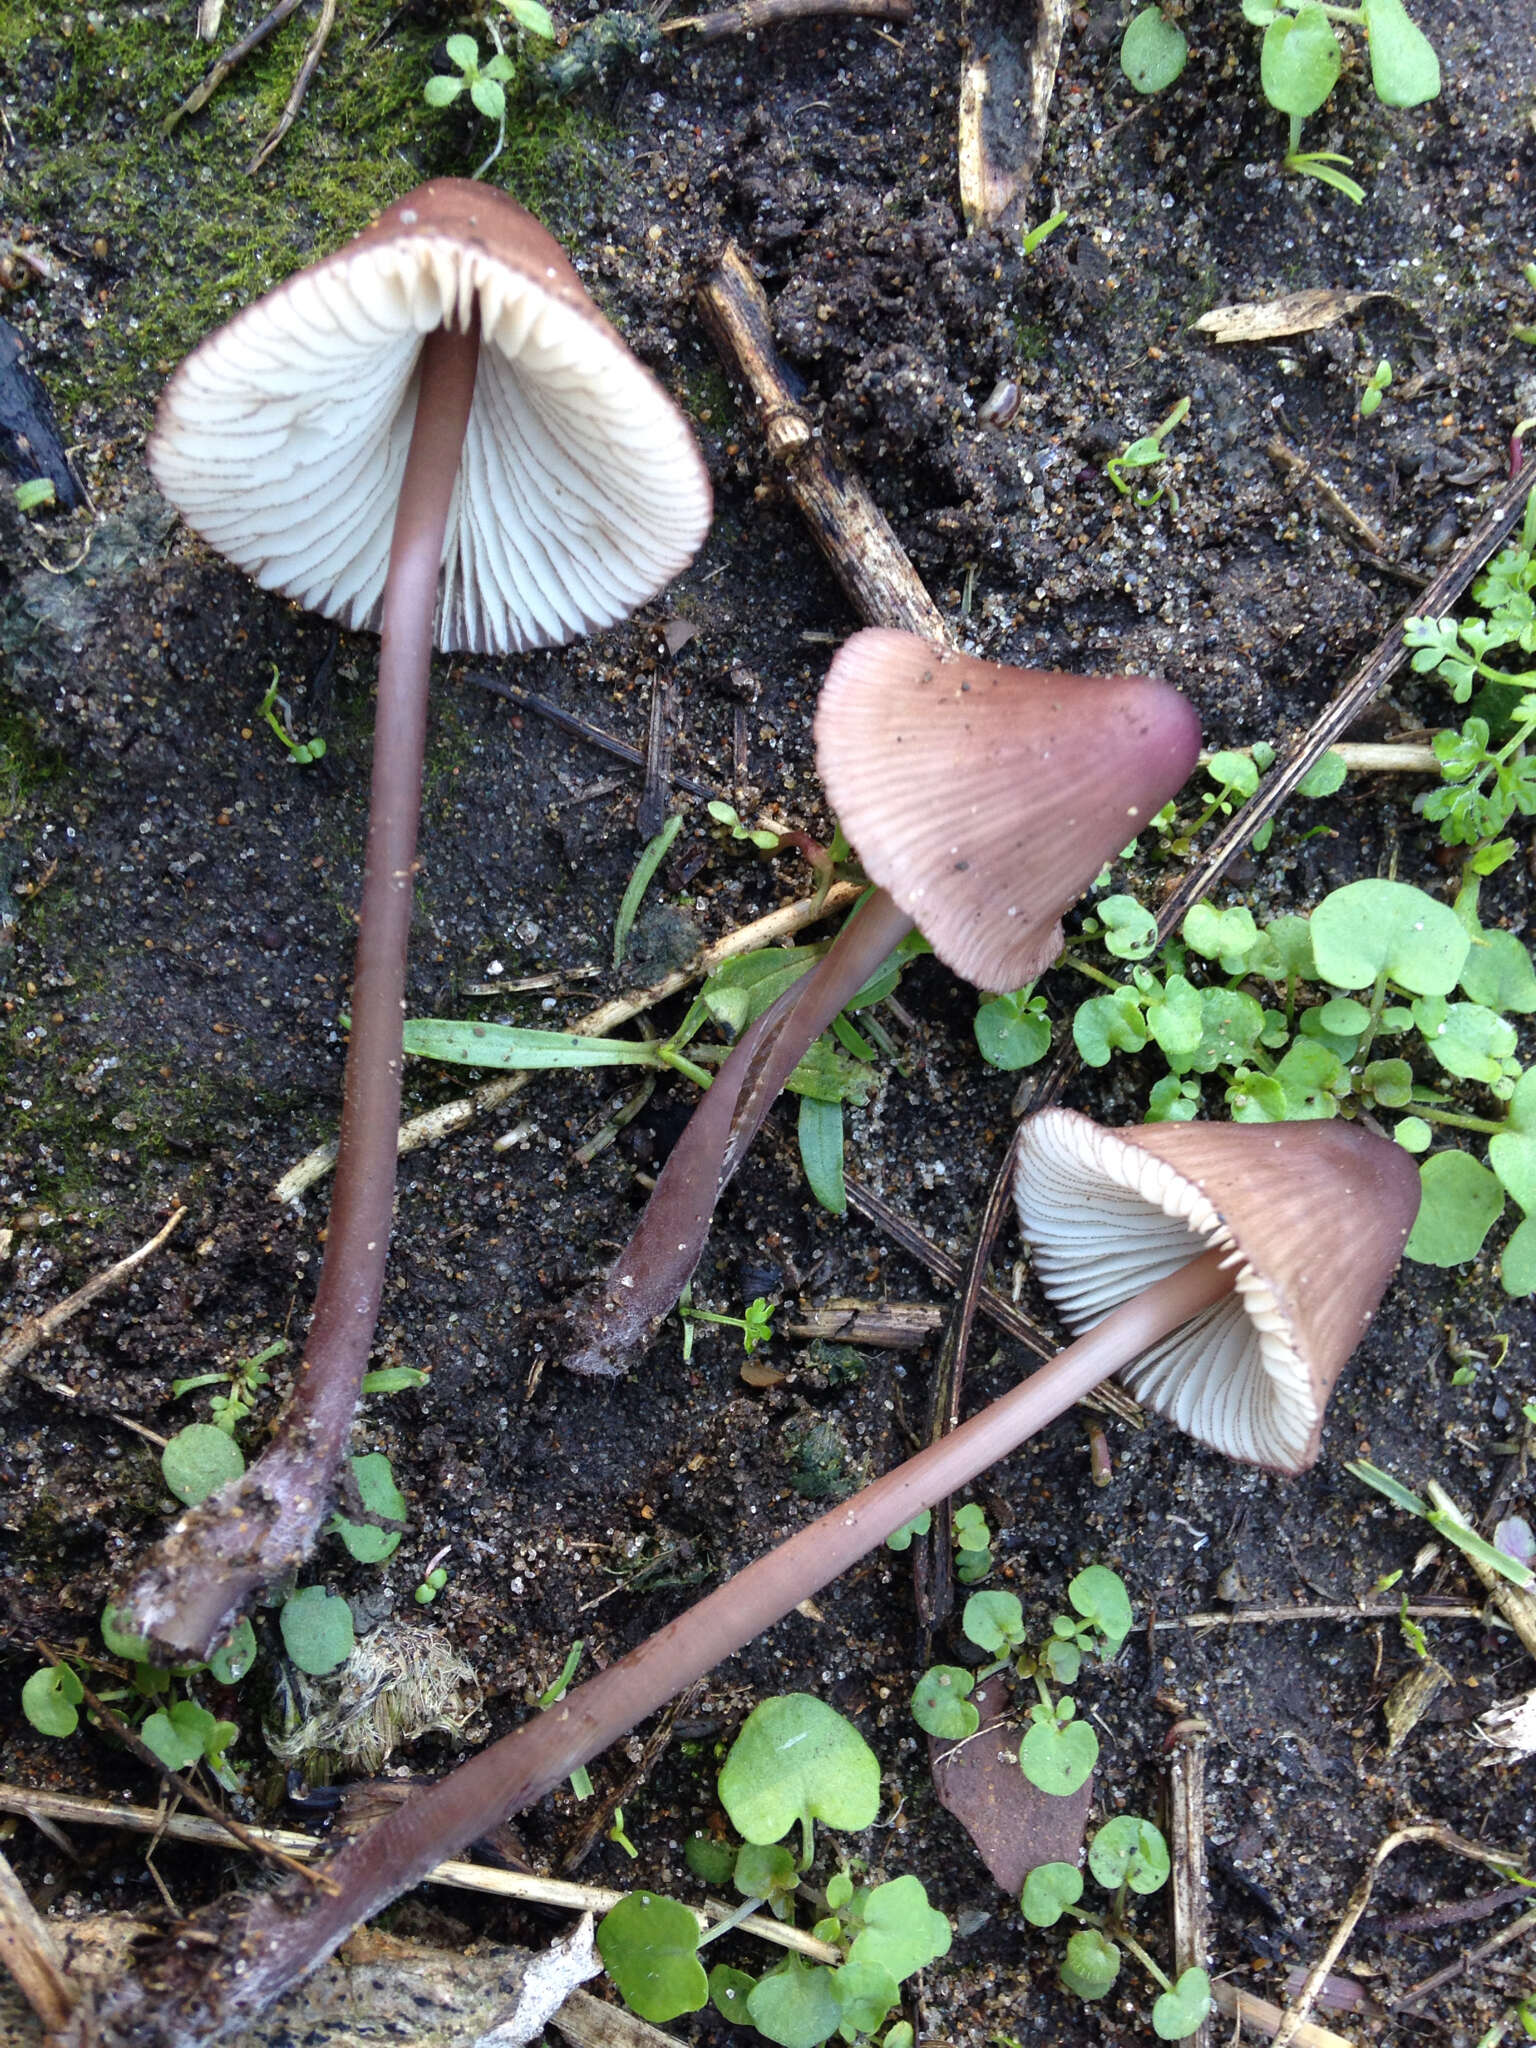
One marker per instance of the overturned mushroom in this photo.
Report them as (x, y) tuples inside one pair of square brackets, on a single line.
[(1312, 1218), (435, 432), (981, 800), (1297, 1226)]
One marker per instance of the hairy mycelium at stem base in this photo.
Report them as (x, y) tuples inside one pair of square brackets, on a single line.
[(281, 1937)]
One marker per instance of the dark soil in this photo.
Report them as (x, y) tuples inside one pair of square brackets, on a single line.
[(177, 912)]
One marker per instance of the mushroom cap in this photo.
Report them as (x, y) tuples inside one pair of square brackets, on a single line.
[(1316, 1215), (282, 438), (985, 799)]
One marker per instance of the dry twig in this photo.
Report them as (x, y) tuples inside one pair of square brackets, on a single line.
[(31, 1331), (1189, 1900), (28, 1951)]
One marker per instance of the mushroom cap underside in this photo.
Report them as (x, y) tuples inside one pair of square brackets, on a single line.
[(1315, 1215), (984, 799), (282, 438)]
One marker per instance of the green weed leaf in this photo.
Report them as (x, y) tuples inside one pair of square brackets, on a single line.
[(1299, 62), (902, 1932), (1091, 1965), (49, 1699), (994, 1621), (940, 1703), (1180, 2011), (1153, 51), (1404, 68), (1048, 1891), (1460, 1204), (798, 1760), (381, 1496), (1058, 1757), (821, 1152), (317, 1630), (650, 1948), (1374, 927), (1100, 1597), (198, 1460), (1129, 1851), (795, 2005)]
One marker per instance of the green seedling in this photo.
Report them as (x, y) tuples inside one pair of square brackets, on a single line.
[(973, 1544), (432, 1583), (317, 1630), (1379, 381), (300, 752), (243, 1383), (376, 1488), (793, 1759), (762, 837), (487, 83), (1058, 1751), (35, 495), (1036, 237), (1127, 1857), (651, 858), (901, 1539), (756, 1326), (198, 1460), (1444, 1519), (1013, 1031), (1146, 454), (1300, 59), (581, 1778)]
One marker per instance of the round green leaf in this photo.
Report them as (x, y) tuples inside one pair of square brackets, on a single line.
[(490, 97), (1460, 1204), (902, 1932), (1179, 2011), (441, 91), (865, 1992), (711, 1861), (178, 1744), (1404, 68), (381, 1496), (1010, 1035), (650, 1948), (1048, 1891), (940, 1705), (1299, 62), (1153, 52), (1513, 1157), (1100, 1597), (994, 1621), (120, 1641), (1517, 1265), (797, 1760), (232, 1659), (1325, 777), (1498, 972), (1366, 928), (795, 2005), (1059, 1759), (1092, 1964), (729, 1991), (49, 1699), (1413, 1134), (317, 1630), (1130, 930), (764, 1869), (198, 1460), (463, 51), (1130, 1851)]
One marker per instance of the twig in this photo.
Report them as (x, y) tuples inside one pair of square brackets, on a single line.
[(312, 55), (1450, 1913), (1004, 105), (1366, 1610), (845, 522), (1249, 2010), (1372, 757), (1517, 1930), (527, 700), (293, 1846), (221, 67), (449, 1117), (133, 1741), (32, 1331), (657, 787), (1190, 1900), (752, 15), (1359, 1899), (1301, 468), (884, 1325), (28, 1952)]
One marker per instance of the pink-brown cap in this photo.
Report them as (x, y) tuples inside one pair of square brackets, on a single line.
[(1315, 1215), (282, 438), (985, 799)]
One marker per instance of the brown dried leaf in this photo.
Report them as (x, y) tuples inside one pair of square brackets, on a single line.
[(1272, 319), (1014, 1825)]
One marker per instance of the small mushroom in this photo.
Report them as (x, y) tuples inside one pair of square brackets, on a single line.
[(434, 432), (982, 800), (1312, 1218)]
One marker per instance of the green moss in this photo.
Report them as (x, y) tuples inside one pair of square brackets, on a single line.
[(189, 235)]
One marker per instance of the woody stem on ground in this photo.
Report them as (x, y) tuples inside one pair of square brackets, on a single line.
[(193, 1585), (284, 1936), (650, 1273)]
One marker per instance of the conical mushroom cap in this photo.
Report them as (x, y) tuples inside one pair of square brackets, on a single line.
[(1316, 1215), (282, 438), (985, 799)]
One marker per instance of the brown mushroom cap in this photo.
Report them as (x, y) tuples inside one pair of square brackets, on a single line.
[(1316, 1215), (282, 438), (985, 799)]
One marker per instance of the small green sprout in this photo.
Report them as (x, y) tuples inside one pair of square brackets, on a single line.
[(244, 1381), (581, 1779), (764, 839), (652, 855), (298, 751), (432, 1584), (756, 1325), (973, 1544), (1036, 237), (1379, 381), (35, 495), (487, 83), (1145, 454), (1445, 1519)]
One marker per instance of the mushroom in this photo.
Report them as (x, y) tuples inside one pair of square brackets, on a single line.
[(1291, 1229), (1312, 1218), (981, 800), (435, 432)]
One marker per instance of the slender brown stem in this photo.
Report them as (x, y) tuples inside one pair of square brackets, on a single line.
[(285, 1936), (193, 1585), (615, 1323)]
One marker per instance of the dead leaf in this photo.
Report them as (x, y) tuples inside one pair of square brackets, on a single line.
[(1272, 319), (1014, 1825)]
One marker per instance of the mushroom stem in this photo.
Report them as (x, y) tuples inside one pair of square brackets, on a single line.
[(194, 1583), (644, 1282), (288, 1934)]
